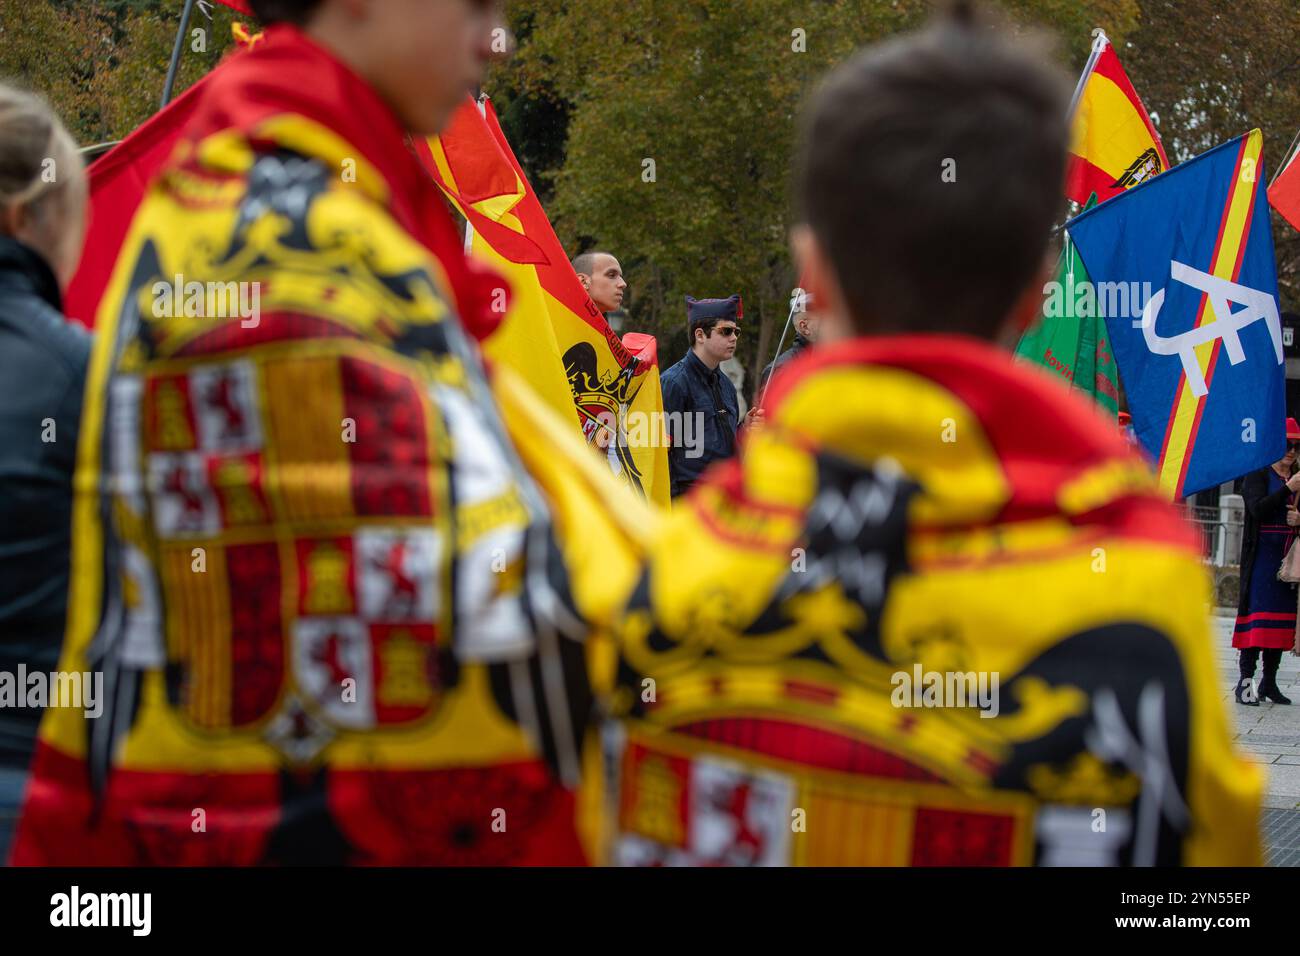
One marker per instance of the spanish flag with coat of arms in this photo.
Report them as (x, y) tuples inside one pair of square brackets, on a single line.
[(1113, 144), (553, 334)]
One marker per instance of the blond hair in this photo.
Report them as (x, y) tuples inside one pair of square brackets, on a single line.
[(39, 161)]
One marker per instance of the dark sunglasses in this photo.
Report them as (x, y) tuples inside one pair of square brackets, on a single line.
[(728, 331), (1293, 446)]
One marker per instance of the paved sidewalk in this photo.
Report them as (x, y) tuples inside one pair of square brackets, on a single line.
[(1270, 735)]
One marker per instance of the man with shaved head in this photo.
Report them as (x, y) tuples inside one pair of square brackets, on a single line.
[(602, 277)]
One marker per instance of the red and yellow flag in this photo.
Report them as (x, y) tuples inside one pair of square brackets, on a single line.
[(1112, 143), (552, 334)]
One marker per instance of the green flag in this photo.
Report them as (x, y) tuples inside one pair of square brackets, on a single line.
[(1069, 338)]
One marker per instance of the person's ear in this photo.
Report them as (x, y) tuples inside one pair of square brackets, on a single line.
[(585, 280)]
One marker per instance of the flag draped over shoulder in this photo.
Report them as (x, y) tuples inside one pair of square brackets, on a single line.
[(917, 556), (554, 335), (1113, 143), (1185, 277), (1284, 194), (268, 509), (117, 185), (118, 180), (1070, 338)]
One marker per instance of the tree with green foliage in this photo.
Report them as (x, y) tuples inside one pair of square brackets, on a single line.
[(664, 129), (683, 125), (102, 63), (1209, 71)]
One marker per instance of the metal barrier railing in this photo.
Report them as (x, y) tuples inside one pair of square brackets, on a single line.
[(1220, 528)]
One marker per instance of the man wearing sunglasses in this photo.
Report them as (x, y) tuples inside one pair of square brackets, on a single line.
[(701, 410)]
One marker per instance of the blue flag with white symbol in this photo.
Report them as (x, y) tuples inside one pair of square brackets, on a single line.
[(1182, 270)]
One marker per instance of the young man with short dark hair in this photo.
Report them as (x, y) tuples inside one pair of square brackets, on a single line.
[(934, 613), (701, 409)]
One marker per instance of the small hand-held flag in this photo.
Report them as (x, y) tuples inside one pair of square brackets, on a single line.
[(1184, 275)]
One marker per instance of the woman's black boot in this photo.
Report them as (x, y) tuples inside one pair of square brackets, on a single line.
[(1268, 689)]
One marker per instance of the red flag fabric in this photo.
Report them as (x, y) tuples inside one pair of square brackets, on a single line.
[(354, 330), (1284, 194)]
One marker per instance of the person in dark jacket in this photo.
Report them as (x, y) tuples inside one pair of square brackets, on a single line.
[(42, 375), (1266, 612), (805, 334), (701, 412)]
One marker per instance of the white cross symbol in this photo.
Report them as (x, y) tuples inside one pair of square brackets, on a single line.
[(1256, 305)]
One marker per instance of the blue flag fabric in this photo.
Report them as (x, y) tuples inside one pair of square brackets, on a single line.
[(1183, 271)]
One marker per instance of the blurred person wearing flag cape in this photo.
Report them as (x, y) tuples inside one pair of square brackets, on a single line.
[(324, 558), (934, 600)]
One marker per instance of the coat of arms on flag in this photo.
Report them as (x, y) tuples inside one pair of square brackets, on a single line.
[(1197, 333)]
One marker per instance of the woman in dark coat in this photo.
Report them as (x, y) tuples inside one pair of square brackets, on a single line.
[(1266, 613), (42, 375)]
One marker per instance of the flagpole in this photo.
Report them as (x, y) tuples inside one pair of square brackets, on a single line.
[(1098, 47), (176, 53), (799, 297), (1286, 159)]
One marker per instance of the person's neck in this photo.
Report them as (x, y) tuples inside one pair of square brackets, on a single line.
[(709, 363), (1283, 471)]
